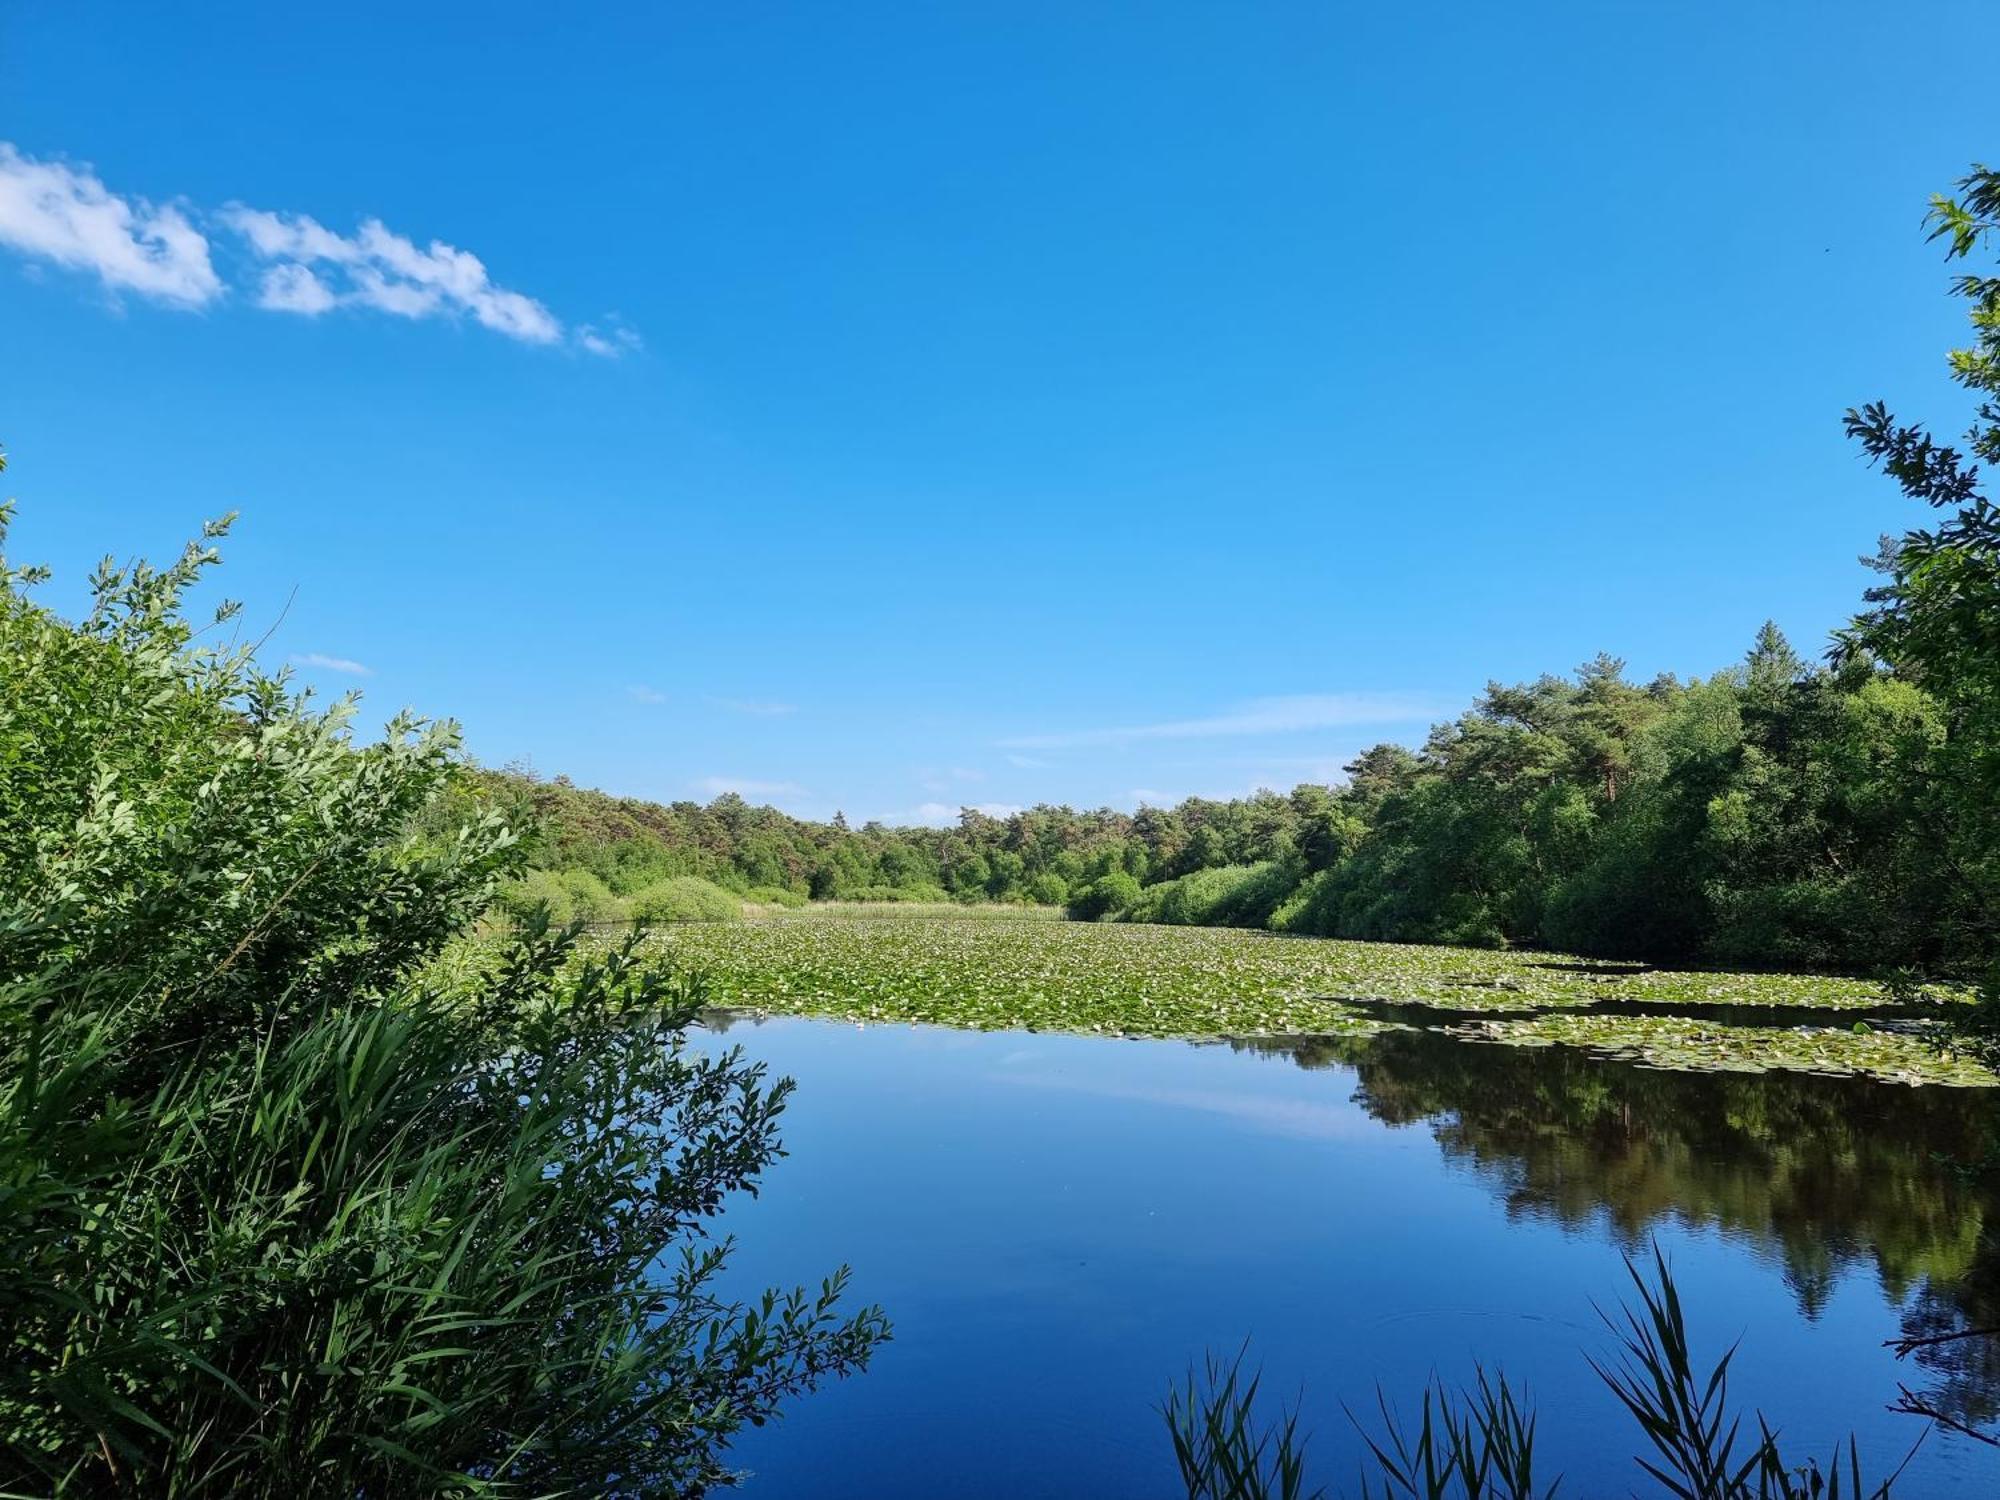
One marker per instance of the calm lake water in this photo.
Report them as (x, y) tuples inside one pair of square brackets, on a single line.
[(1058, 1225)]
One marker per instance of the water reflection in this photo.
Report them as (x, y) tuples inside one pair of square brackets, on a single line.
[(1827, 1176)]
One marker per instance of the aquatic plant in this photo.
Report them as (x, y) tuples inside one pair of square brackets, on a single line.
[(1123, 979), (1222, 1449), (1478, 1442)]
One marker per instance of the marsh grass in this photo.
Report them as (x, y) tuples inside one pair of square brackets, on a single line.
[(1223, 1450), (1474, 1443), (1478, 1442)]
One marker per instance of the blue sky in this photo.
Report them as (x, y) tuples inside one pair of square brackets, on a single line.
[(894, 407)]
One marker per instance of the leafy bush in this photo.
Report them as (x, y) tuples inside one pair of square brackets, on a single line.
[(1106, 896), (1230, 896), (1047, 889), (926, 894), (293, 1204), (777, 895), (1257, 897), (1308, 910), (684, 898), (568, 896)]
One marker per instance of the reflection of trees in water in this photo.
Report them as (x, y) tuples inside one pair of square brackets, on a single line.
[(1965, 1372), (1825, 1174)]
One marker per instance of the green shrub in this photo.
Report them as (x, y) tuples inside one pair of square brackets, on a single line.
[(777, 895), (900, 893), (291, 1204), (1048, 889), (567, 895), (591, 899), (1258, 894), (684, 898), (534, 890), (1194, 899), (1227, 896), (1106, 896), (1306, 911)]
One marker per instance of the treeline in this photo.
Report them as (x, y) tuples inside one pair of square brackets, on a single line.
[(1774, 812)]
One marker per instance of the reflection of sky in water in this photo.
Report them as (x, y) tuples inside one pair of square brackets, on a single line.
[(1303, 1119), (1058, 1224)]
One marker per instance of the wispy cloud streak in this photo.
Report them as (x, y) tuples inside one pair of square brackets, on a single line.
[(342, 664), (1287, 715), (313, 270)]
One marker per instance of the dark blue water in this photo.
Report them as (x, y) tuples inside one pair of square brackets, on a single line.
[(1058, 1225)]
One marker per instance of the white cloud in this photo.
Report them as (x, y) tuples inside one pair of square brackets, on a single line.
[(344, 664), (317, 269), (640, 693), (718, 786), (1287, 715), (67, 215), (756, 707), (608, 343), (294, 289), (53, 212), (1028, 763)]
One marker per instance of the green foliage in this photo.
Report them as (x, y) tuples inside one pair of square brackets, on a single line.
[(1472, 1444), (1220, 1447), (1232, 896), (684, 898), (567, 896), (1047, 889), (299, 1195), (895, 895), (1107, 896), (1936, 616), (1692, 1434), (776, 895)]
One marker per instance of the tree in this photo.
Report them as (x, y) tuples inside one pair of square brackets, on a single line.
[(1935, 618)]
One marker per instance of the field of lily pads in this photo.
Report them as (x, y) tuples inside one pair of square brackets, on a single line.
[(1694, 1043), (1209, 982)]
